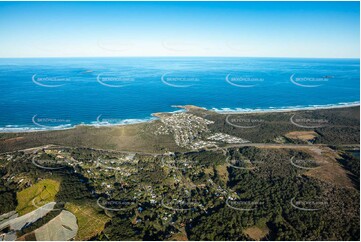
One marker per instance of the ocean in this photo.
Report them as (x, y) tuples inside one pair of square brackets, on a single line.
[(58, 93)]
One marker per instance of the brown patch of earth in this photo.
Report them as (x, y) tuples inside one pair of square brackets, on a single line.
[(223, 172), (329, 169), (302, 135), (12, 140), (256, 232), (181, 236)]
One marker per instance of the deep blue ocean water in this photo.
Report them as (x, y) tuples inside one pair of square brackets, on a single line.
[(63, 92)]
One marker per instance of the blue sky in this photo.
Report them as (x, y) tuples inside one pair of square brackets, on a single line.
[(244, 29)]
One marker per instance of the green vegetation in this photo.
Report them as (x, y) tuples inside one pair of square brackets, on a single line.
[(342, 126), (158, 192), (258, 231), (352, 164), (37, 195), (90, 221)]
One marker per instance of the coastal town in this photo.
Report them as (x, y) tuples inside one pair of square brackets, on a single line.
[(191, 131), (166, 189)]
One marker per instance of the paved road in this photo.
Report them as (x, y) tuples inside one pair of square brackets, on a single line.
[(260, 145)]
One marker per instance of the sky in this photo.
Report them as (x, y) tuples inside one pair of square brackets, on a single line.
[(228, 29)]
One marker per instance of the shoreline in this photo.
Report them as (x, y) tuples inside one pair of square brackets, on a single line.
[(288, 109), (185, 108)]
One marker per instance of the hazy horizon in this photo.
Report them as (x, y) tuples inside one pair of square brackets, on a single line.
[(179, 29)]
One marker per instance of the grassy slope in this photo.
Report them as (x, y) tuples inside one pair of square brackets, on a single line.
[(90, 221), (136, 137), (343, 128), (41, 193)]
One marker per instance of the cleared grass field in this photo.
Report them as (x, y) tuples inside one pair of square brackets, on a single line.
[(37, 195), (90, 221), (134, 137), (258, 231), (222, 172)]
